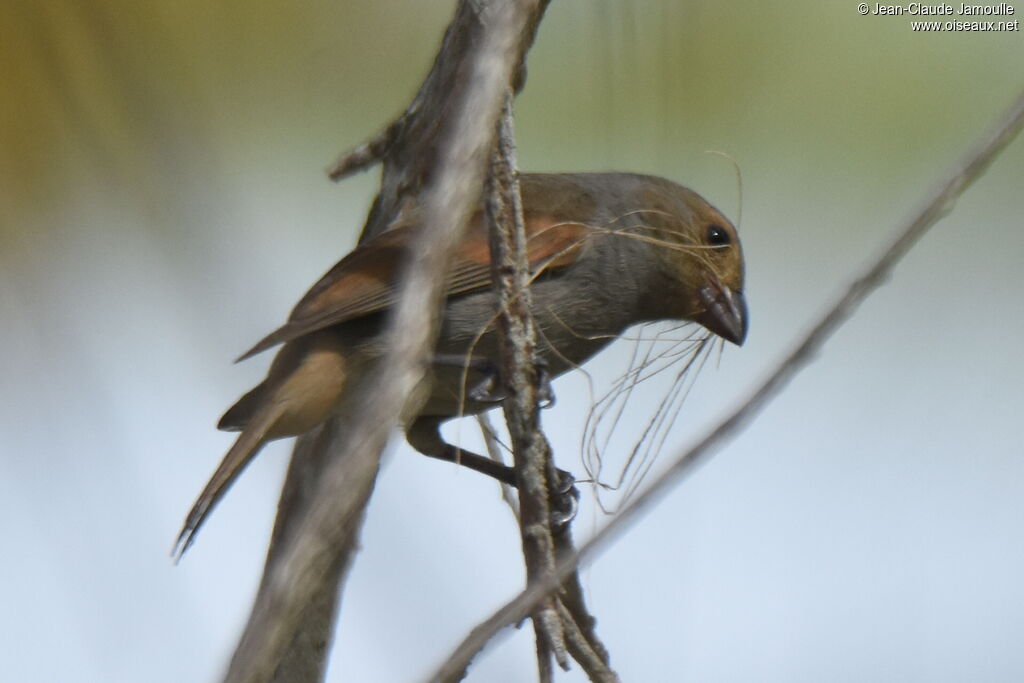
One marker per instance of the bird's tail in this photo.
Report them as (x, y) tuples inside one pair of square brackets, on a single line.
[(245, 448)]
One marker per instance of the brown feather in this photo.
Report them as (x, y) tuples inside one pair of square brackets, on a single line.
[(239, 415), (365, 281), (245, 448)]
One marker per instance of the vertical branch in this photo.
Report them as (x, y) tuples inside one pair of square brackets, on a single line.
[(518, 340), (562, 621)]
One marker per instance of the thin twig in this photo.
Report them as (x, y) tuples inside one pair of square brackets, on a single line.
[(531, 452), (494, 451), (593, 661), (577, 622), (367, 154), (571, 597), (938, 205)]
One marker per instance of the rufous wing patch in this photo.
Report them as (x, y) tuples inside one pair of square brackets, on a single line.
[(366, 280)]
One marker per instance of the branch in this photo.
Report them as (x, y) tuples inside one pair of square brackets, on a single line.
[(563, 623), (304, 565), (494, 452), (531, 451), (432, 104), (305, 658), (937, 206)]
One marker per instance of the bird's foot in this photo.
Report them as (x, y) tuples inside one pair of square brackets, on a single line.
[(492, 388), (545, 394), (565, 499)]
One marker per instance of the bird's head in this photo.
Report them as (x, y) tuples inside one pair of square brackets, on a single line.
[(701, 252)]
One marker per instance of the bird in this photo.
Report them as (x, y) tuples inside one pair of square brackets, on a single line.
[(606, 251)]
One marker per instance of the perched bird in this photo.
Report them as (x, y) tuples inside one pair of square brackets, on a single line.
[(606, 251)]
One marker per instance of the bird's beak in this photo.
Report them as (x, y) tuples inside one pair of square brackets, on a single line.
[(725, 311)]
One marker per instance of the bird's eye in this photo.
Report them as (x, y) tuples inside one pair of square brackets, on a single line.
[(717, 236)]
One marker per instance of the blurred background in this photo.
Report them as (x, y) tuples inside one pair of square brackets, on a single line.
[(163, 204)]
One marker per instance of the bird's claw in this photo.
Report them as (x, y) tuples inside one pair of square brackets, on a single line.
[(565, 499), (492, 390), (489, 390), (545, 394)]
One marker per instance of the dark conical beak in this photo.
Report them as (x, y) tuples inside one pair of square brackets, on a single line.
[(725, 311)]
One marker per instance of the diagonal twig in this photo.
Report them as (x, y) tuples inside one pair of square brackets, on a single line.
[(937, 205), (494, 452)]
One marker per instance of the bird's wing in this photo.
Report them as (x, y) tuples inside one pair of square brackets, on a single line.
[(366, 280)]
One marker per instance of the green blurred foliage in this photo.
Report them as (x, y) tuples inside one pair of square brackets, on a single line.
[(150, 100)]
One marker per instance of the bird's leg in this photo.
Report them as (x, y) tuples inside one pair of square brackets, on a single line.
[(425, 436), (491, 389)]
